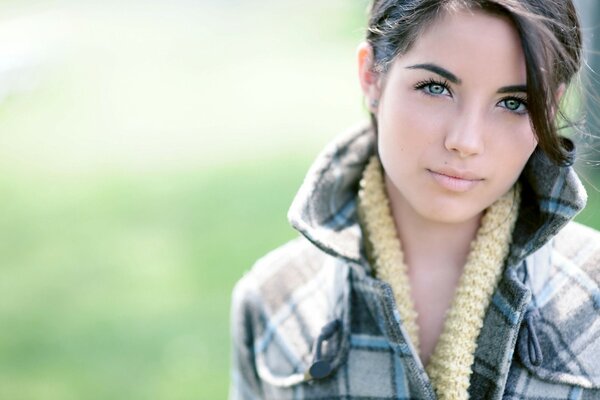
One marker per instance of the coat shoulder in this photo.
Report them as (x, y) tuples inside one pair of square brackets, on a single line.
[(579, 246), (288, 280), (565, 281), (284, 269)]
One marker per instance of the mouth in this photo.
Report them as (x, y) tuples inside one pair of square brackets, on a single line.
[(455, 181)]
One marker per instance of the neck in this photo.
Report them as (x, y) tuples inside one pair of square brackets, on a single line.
[(431, 244)]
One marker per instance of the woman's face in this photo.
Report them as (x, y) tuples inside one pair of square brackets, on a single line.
[(453, 128)]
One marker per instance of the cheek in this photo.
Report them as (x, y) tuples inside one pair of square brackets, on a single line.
[(513, 145), (522, 141), (408, 124)]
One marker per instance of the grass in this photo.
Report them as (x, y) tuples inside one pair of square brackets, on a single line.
[(120, 288), (146, 163)]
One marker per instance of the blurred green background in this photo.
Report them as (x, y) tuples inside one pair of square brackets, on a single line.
[(149, 151)]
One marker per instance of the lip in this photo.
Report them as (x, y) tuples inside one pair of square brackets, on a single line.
[(455, 180)]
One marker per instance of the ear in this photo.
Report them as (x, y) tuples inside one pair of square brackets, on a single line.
[(369, 79)]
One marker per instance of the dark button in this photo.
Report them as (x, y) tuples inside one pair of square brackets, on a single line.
[(569, 148), (320, 369)]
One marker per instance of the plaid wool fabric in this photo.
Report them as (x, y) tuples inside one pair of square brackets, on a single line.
[(541, 333)]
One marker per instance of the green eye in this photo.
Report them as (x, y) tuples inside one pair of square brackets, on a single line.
[(512, 104), (435, 89), (515, 105)]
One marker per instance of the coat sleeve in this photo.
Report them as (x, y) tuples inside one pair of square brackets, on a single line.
[(245, 383)]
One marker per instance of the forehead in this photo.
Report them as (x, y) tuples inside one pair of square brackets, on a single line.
[(469, 42)]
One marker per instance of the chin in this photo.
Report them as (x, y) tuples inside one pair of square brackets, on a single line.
[(449, 215)]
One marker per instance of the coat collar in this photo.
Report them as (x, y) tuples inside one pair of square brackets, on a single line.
[(324, 209)]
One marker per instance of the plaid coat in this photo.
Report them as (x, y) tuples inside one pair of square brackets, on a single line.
[(310, 321)]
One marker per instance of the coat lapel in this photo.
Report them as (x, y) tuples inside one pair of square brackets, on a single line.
[(496, 342)]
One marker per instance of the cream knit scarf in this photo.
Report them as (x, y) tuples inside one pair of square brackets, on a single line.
[(449, 367)]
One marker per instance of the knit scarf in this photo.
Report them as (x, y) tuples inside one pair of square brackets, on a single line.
[(449, 367)]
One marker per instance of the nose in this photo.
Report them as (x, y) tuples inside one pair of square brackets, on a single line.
[(465, 136)]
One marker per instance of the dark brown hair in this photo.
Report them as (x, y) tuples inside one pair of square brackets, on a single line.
[(550, 37)]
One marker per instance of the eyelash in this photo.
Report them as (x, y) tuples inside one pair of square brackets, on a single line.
[(421, 85)]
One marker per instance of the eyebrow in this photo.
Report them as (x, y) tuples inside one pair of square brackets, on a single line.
[(436, 69), (513, 89)]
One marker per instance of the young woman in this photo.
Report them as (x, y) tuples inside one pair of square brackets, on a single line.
[(437, 259)]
